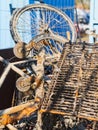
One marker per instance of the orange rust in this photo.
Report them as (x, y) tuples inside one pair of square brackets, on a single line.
[(6, 119), (38, 81), (37, 99), (88, 118), (45, 42), (31, 45), (26, 112), (77, 93), (54, 112)]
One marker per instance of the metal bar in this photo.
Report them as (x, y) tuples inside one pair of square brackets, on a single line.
[(11, 127), (20, 62), (3, 76), (16, 109), (54, 112), (19, 71), (88, 118), (7, 69)]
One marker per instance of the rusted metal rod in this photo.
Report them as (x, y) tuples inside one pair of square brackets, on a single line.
[(16, 109), (9, 67)]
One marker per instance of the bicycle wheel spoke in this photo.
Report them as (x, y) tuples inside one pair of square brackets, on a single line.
[(38, 18)]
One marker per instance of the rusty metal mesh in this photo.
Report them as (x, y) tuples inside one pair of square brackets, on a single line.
[(74, 85)]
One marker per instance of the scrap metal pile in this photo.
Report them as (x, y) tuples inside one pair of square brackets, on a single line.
[(56, 85), (74, 85)]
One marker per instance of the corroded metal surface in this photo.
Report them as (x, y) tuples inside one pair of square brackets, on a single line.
[(74, 85), (73, 88)]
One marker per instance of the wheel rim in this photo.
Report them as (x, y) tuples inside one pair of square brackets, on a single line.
[(32, 20)]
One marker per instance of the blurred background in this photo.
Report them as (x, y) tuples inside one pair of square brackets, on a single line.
[(80, 17)]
